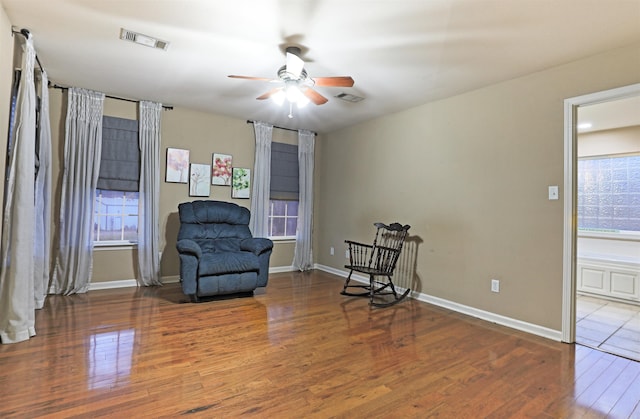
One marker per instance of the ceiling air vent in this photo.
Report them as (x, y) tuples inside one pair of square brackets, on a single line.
[(349, 97), (141, 39)]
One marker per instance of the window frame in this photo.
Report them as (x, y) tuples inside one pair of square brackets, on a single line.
[(286, 217), (113, 244)]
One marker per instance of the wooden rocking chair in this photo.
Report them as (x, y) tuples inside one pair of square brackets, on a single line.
[(377, 260)]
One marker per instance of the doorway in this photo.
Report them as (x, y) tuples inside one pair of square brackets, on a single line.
[(578, 274)]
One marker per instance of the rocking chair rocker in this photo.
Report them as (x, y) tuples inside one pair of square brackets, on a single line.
[(377, 260)]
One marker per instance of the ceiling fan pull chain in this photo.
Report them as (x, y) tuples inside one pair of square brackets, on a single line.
[(290, 110)]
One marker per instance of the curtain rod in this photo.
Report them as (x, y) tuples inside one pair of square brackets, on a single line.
[(165, 107), (25, 33), (286, 129)]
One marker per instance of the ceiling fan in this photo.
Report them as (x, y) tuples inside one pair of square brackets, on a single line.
[(295, 84)]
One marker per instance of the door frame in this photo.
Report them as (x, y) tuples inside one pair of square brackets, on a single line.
[(570, 199)]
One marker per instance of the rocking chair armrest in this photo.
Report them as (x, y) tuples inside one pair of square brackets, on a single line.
[(351, 242), (359, 253)]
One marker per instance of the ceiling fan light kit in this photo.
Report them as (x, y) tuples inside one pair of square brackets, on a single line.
[(295, 84)]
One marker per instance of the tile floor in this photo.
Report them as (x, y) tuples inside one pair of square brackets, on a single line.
[(609, 326)]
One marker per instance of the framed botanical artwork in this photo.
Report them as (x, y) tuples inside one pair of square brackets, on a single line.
[(199, 179), (241, 183), (221, 169), (177, 165)]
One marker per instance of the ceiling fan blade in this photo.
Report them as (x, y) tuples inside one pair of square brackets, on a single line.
[(314, 96), (269, 93), (294, 65), (249, 78), (338, 81)]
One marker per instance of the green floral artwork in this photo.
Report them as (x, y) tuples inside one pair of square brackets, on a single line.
[(241, 183)]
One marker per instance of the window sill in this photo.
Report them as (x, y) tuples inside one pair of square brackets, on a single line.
[(115, 245), (622, 236), (280, 239)]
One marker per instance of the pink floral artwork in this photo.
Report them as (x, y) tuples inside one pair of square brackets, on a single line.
[(177, 165), (221, 169)]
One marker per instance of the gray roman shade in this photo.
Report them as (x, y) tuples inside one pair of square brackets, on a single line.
[(120, 160), (284, 172)]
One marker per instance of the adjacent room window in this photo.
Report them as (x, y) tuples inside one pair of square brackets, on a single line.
[(283, 205), (116, 217), (283, 219), (116, 201), (609, 194)]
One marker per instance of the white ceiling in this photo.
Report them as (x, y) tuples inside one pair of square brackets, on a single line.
[(400, 53)]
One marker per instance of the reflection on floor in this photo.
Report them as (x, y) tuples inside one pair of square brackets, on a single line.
[(609, 326)]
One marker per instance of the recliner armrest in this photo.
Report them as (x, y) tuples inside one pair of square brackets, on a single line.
[(256, 245), (189, 246)]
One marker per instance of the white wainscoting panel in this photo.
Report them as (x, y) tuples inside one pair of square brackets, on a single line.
[(609, 278)]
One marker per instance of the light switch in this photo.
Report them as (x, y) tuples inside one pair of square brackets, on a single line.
[(553, 193)]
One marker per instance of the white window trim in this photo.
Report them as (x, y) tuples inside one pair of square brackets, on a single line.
[(610, 235), (285, 217), (283, 239), (114, 245)]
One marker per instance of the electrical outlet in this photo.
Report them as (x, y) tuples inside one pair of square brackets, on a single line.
[(331, 250), (495, 285), (346, 253)]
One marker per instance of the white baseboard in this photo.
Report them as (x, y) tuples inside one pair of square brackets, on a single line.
[(338, 272), (461, 308), (440, 302), (279, 269), (107, 285), (125, 283), (171, 279), (492, 317)]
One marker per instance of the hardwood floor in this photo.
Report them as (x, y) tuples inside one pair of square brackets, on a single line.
[(297, 349)]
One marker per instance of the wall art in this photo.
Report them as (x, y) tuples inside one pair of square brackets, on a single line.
[(177, 165), (241, 183), (199, 179), (221, 169)]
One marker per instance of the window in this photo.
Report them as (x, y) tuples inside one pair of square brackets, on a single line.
[(283, 219), (115, 218), (283, 206), (609, 194)]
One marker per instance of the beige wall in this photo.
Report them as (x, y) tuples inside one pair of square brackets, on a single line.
[(6, 70), (470, 175), (199, 132)]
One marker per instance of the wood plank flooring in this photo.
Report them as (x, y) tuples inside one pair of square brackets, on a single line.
[(297, 349)]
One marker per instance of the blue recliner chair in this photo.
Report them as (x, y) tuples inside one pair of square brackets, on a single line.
[(218, 255)]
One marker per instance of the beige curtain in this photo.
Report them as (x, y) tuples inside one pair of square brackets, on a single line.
[(82, 148), (303, 252), (17, 306), (42, 238), (261, 180), (149, 194)]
